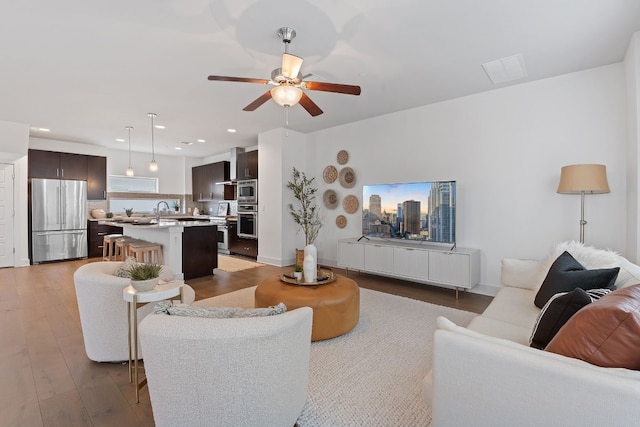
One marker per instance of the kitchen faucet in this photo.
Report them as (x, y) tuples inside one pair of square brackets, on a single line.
[(158, 210)]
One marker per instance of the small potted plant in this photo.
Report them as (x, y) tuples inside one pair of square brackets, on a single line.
[(129, 211), (297, 272), (145, 277), (176, 205)]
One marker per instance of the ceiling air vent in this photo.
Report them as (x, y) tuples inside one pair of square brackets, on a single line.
[(506, 69)]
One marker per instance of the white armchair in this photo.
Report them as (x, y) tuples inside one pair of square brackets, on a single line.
[(103, 311), (250, 371)]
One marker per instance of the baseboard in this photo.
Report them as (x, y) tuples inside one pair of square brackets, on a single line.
[(275, 261)]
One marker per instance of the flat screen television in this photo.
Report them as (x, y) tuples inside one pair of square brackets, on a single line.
[(424, 211)]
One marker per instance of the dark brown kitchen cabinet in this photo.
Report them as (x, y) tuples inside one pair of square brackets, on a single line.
[(205, 181), (199, 251), (52, 164), (240, 245), (96, 178), (96, 235), (247, 165)]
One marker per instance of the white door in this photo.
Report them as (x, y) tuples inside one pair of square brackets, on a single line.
[(6, 215)]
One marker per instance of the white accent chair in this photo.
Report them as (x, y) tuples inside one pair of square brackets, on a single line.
[(103, 311), (250, 371)]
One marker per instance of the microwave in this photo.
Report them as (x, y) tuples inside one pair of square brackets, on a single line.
[(248, 191)]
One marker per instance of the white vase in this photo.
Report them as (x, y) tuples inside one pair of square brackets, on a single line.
[(311, 250)]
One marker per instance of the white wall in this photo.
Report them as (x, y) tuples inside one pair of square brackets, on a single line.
[(171, 174), (14, 144), (505, 148), (278, 237), (632, 74)]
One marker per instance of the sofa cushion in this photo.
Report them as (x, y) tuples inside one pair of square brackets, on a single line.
[(128, 264), (558, 310), (217, 312), (515, 306), (604, 333), (566, 274), (500, 329)]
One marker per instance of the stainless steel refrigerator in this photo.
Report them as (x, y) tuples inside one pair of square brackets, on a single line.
[(58, 219)]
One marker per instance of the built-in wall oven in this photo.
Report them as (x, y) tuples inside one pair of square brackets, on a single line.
[(248, 220), (248, 191)]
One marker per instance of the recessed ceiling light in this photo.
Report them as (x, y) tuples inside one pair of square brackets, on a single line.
[(200, 140), (178, 148), (231, 130), (119, 139), (187, 142), (160, 127), (44, 129)]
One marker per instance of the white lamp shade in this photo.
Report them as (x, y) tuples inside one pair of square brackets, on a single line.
[(129, 171), (153, 166), (592, 179), (286, 95)]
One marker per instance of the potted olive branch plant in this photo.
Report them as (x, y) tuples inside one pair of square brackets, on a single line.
[(307, 216)]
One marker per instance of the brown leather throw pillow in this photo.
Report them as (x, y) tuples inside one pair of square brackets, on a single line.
[(604, 333)]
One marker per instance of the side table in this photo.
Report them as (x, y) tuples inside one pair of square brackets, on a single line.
[(161, 292)]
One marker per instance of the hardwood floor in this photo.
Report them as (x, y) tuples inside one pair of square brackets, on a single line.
[(45, 376)]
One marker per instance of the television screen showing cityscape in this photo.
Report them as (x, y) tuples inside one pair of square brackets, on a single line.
[(413, 210)]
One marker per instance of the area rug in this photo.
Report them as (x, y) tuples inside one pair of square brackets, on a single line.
[(371, 376), (231, 264)]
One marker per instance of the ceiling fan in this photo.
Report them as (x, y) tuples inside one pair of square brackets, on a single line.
[(288, 82)]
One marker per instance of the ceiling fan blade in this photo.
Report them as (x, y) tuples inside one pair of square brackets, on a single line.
[(332, 87), (258, 102), (309, 105), (238, 79), (291, 65)]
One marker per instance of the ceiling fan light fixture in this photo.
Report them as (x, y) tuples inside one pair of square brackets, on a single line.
[(286, 95), (291, 65)]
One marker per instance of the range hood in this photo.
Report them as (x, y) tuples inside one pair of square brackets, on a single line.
[(233, 160)]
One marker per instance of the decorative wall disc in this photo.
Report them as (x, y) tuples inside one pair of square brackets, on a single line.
[(350, 204), (343, 157), (330, 199), (341, 221), (330, 174), (347, 177)]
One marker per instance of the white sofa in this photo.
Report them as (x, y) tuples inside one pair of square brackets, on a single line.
[(487, 375), (103, 311), (250, 371)]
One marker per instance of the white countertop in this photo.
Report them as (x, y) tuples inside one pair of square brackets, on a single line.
[(164, 223)]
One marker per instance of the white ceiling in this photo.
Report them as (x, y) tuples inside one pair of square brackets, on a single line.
[(86, 69)]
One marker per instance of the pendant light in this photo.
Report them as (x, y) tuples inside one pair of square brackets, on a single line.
[(129, 169), (153, 166)]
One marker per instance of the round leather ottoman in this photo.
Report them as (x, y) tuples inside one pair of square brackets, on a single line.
[(336, 305)]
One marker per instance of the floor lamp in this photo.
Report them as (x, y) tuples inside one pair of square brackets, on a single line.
[(583, 179)]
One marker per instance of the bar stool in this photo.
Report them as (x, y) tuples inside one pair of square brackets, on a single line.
[(109, 246), (147, 252), (122, 247)]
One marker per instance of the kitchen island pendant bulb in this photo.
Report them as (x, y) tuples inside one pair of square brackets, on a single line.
[(129, 171), (153, 166)]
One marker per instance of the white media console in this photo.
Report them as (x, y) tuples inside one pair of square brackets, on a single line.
[(458, 268)]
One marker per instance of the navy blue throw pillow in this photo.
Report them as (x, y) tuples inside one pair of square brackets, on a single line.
[(566, 274)]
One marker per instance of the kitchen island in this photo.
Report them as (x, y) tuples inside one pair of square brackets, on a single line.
[(189, 246)]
